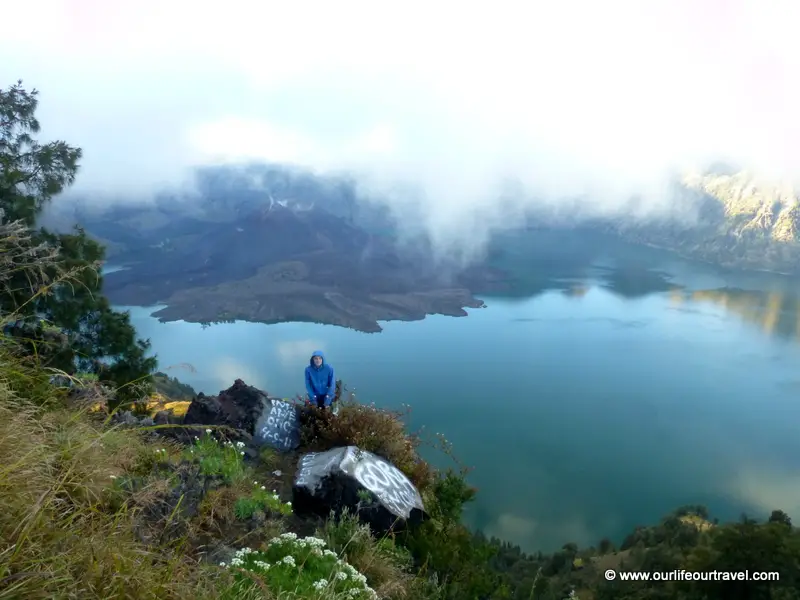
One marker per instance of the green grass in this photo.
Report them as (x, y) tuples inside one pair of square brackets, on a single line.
[(214, 458), (261, 500)]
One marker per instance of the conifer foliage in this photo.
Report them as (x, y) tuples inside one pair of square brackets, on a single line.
[(65, 322)]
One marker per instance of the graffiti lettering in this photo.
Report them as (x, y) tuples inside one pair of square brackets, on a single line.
[(305, 469), (278, 425), (388, 484), (392, 488)]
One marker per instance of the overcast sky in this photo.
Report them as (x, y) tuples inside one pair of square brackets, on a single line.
[(565, 94)]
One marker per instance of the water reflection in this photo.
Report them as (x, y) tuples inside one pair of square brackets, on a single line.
[(573, 265), (636, 282), (578, 290), (776, 313)]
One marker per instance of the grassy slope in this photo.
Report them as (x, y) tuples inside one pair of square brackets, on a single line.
[(87, 509)]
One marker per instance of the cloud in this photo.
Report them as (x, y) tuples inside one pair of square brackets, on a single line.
[(552, 533), (296, 352), (767, 489), (598, 99), (227, 369)]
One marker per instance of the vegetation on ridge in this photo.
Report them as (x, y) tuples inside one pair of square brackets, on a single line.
[(734, 220), (64, 319)]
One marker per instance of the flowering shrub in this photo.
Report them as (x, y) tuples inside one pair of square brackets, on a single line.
[(260, 499), (217, 459), (385, 564), (380, 431), (300, 566)]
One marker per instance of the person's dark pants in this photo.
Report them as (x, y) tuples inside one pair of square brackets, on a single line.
[(320, 400)]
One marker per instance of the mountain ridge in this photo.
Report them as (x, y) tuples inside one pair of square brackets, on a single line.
[(743, 222), (277, 264), (266, 245)]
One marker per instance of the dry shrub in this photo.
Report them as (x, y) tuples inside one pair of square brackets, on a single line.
[(216, 511), (382, 432), (20, 253), (57, 540)]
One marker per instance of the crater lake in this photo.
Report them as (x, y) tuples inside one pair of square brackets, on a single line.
[(607, 386)]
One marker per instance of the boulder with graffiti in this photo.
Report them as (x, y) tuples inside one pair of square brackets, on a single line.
[(366, 484), (251, 414)]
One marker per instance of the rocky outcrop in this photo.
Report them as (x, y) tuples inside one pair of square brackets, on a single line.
[(250, 415), (359, 481), (238, 407)]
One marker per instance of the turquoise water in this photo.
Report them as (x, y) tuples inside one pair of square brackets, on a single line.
[(607, 392)]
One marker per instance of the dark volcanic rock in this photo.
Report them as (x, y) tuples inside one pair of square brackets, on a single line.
[(238, 407), (364, 483), (248, 411), (167, 512), (277, 263)]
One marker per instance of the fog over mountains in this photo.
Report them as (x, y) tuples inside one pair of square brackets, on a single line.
[(729, 217)]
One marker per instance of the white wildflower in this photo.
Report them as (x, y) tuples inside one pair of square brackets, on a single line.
[(341, 575), (289, 560), (208, 431), (315, 541), (320, 585)]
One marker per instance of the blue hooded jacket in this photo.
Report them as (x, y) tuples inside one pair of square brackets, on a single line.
[(320, 381)]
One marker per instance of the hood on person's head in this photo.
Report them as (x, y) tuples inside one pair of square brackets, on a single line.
[(319, 353)]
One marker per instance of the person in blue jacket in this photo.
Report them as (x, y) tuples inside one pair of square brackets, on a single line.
[(320, 381)]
